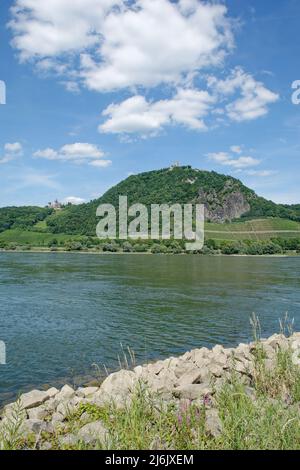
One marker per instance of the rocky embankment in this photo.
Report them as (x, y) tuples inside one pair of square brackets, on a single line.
[(195, 377)]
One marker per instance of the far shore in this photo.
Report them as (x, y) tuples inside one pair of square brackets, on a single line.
[(90, 252)]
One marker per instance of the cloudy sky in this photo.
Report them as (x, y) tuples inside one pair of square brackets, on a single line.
[(99, 89)]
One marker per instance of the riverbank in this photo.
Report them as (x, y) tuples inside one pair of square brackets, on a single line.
[(106, 253), (223, 398)]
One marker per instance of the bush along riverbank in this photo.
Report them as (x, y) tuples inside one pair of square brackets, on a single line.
[(242, 398), (273, 246)]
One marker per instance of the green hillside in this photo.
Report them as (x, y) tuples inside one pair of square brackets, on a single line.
[(22, 217), (178, 185), (234, 213), (255, 229)]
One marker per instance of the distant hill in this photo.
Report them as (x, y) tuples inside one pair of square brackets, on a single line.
[(225, 198), (22, 217)]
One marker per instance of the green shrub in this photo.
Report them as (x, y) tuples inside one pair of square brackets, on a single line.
[(159, 249), (73, 246), (110, 247), (127, 247), (140, 248)]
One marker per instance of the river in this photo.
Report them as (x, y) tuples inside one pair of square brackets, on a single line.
[(61, 313)]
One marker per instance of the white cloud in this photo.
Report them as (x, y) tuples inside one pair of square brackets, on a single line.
[(236, 149), (11, 152), (78, 153), (49, 28), (224, 158), (48, 154), (5, 159), (101, 163), (109, 45), (253, 97), (15, 148), (242, 98), (240, 163), (157, 41), (261, 173), (73, 200), (81, 150), (29, 177), (136, 114), (71, 86), (122, 44)]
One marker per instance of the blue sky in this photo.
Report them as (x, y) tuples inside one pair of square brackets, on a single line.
[(100, 89)]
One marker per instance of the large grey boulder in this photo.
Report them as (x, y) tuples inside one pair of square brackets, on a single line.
[(93, 433), (86, 391), (118, 387), (57, 418), (295, 343), (161, 385), (200, 357), (243, 367), (68, 407), (194, 375), (187, 356), (171, 363), (139, 371), (222, 360), (155, 368), (65, 409), (242, 352), (192, 391), (33, 399), (69, 440), (269, 352), (278, 342), (296, 357), (215, 369), (36, 426), (213, 424), (39, 413), (52, 392), (191, 376), (45, 446), (183, 367), (66, 393)]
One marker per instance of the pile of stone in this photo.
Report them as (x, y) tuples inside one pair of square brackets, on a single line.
[(194, 377)]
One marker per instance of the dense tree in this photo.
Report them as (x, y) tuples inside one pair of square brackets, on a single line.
[(168, 186), (22, 217)]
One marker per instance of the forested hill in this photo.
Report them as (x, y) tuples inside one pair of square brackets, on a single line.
[(225, 199), (22, 217)]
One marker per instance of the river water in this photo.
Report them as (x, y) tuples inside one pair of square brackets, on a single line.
[(61, 313)]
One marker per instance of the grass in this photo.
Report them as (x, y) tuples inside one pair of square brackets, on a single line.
[(271, 223), (36, 239), (262, 424), (275, 227), (41, 226)]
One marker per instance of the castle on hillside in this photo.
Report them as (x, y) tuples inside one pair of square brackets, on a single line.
[(175, 165), (56, 205)]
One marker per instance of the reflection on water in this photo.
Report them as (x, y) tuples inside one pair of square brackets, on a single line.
[(60, 313)]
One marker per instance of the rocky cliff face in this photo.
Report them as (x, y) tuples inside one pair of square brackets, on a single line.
[(225, 205)]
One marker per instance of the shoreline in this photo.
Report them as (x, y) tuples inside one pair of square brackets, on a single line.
[(195, 382), (82, 252)]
